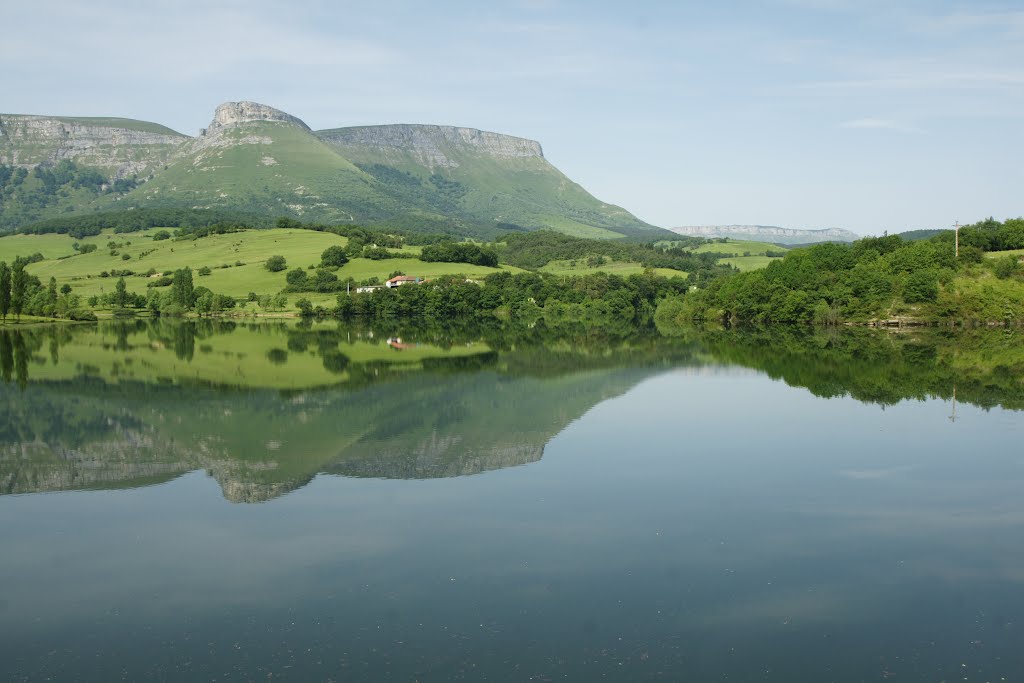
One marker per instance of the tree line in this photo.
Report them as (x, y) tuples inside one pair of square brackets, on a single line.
[(872, 278)]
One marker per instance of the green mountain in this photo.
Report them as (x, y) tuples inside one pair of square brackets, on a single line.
[(482, 176), (257, 159)]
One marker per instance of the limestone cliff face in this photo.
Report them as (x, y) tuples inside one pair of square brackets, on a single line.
[(432, 146), (118, 147), (229, 123), (235, 113), (769, 233)]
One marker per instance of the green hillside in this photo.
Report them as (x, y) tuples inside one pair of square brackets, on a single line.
[(272, 167), (235, 261), (481, 176), (125, 124), (261, 161)]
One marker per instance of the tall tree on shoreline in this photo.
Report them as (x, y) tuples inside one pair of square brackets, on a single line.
[(19, 281), (181, 288), (5, 290)]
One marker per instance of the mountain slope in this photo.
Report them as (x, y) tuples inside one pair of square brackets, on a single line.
[(258, 159), (481, 175), (254, 158)]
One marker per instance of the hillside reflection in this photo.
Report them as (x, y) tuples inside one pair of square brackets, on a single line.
[(265, 407)]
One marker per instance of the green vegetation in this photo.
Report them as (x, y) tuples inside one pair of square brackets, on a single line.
[(252, 271), (481, 190), (459, 252), (191, 220), (876, 278), (539, 249), (433, 182)]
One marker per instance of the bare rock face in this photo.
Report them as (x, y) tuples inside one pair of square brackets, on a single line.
[(228, 126), (768, 233), (236, 113), (432, 146), (118, 147)]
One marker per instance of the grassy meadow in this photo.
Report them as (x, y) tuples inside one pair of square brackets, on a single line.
[(624, 268), (745, 254), (236, 261)]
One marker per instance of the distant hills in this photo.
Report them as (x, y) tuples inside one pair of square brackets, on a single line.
[(768, 233), (256, 159)]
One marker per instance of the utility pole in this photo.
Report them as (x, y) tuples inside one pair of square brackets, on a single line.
[(956, 228)]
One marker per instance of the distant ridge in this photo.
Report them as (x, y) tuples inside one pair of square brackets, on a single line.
[(768, 233)]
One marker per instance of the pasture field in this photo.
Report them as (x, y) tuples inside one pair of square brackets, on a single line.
[(614, 267), (738, 248), (236, 261)]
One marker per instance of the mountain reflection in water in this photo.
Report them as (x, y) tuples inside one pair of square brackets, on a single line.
[(265, 407)]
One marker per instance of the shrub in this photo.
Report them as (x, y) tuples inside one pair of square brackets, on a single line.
[(276, 264), (921, 286), (1006, 267), (333, 257)]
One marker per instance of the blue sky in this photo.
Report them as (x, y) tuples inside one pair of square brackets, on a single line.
[(859, 114)]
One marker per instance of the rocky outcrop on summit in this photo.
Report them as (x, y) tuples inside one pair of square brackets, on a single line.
[(118, 147), (229, 123), (768, 233), (432, 146), (237, 113)]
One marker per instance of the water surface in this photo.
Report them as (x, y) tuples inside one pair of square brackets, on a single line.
[(725, 506)]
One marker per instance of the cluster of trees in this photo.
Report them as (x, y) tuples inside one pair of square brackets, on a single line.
[(140, 219), (21, 293), (460, 252), (324, 278), (991, 235), (536, 249), (598, 298), (181, 297), (875, 277)]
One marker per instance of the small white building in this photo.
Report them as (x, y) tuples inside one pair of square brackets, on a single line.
[(400, 280)]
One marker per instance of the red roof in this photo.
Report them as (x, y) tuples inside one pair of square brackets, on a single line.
[(403, 278)]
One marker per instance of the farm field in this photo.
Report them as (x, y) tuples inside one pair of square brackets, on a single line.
[(745, 263), (614, 267), (738, 248), (236, 261)]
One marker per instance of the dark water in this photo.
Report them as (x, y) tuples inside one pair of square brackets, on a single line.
[(725, 506)]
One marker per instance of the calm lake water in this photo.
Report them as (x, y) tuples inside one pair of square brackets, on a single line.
[(267, 502)]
